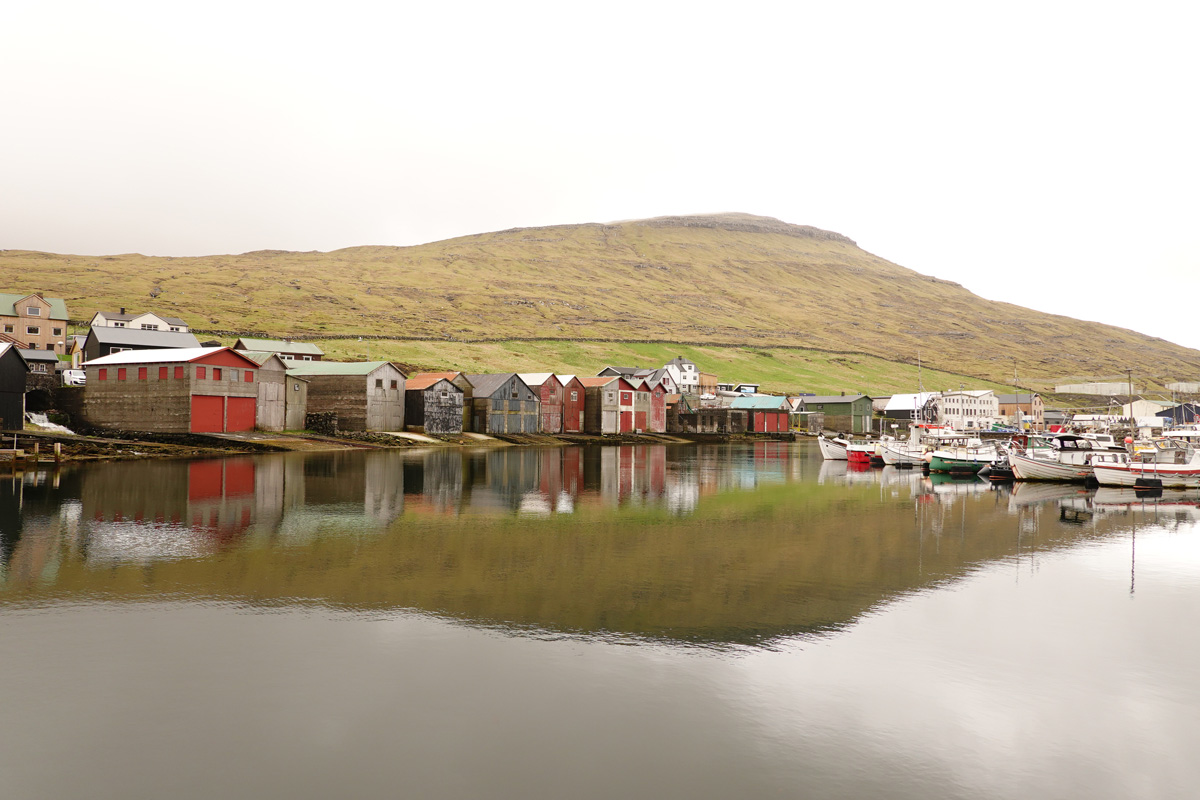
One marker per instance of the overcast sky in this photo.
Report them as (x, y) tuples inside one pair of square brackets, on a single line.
[(1044, 154)]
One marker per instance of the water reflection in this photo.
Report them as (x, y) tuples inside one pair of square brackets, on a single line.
[(741, 543)]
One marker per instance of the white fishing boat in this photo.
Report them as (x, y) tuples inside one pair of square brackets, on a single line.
[(921, 439), (1069, 458), (1173, 464), (832, 449)]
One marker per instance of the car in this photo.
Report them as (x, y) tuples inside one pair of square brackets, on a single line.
[(74, 377)]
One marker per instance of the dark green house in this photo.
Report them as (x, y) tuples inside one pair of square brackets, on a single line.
[(848, 413)]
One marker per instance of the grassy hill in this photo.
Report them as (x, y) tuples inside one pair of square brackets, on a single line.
[(730, 281)]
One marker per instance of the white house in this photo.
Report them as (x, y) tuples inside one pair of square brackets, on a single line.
[(968, 409), (685, 374), (137, 322)]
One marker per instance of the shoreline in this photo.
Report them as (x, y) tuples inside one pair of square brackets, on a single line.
[(38, 447)]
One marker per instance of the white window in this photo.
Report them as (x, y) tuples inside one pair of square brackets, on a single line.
[(33, 330), (286, 357), (146, 326), (118, 349), (308, 358), (118, 324), (33, 311), (175, 327)]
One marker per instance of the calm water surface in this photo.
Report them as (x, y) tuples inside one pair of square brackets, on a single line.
[(692, 622)]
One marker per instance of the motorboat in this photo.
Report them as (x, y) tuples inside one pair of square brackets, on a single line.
[(971, 457), (1069, 458), (1172, 464), (832, 449)]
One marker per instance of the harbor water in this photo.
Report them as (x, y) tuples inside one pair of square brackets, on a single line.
[(692, 621)]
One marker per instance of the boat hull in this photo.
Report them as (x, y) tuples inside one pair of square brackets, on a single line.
[(902, 457), (941, 463), (1173, 476), (1044, 469), (830, 450)]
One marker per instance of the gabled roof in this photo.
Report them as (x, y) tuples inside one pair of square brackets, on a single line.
[(131, 337), (423, 380), (832, 398), (565, 379), (487, 384), (602, 380), (38, 355), (533, 379), (1013, 399), (110, 315), (907, 402), (262, 359), (314, 368), (163, 356), (279, 346), (58, 306), (6, 346), (762, 402)]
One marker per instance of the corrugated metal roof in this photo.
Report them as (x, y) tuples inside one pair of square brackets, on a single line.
[(58, 306), (31, 354), (486, 384), (160, 356), (768, 402), (423, 380), (139, 338), (533, 379), (600, 381), (832, 398), (313, 368), (280, 346)]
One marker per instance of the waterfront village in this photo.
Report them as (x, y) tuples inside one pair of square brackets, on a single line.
[(136, 372)]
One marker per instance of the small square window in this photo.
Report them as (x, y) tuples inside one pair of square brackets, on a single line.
[(395, 385), (8, 329), (216, 373), (33, 311), (379, 383), (201, 373), (179, 373), (56, 331), (248, 376), (33, 330)]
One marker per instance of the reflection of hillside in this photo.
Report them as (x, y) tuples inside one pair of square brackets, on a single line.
[(743, 567)]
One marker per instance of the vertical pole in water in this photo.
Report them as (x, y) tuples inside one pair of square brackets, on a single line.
[(57, 452)]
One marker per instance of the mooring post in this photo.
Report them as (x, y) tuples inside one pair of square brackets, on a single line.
[(57, 452)]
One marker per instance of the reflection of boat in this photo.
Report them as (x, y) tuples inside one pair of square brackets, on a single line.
[(1182, 502), (832, 471), (944, 484), (1173, 464), (1031, 493), (832, 449)]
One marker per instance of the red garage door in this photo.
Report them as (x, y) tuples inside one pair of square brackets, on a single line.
[(208, 414), (240, 414)]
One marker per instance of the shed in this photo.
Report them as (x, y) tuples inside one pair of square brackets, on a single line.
[(172, 390), (851, 413), (468, 390), (676, 404), (13, 374), (608, 405), (365, 395), (43, 369), (433, 405), (502, 403), (766, 414), (574, 403), (105, 341), (714, 420), (282, 401), (549, 390)]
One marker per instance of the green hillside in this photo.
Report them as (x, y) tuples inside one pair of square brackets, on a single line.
[(728, 279)]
